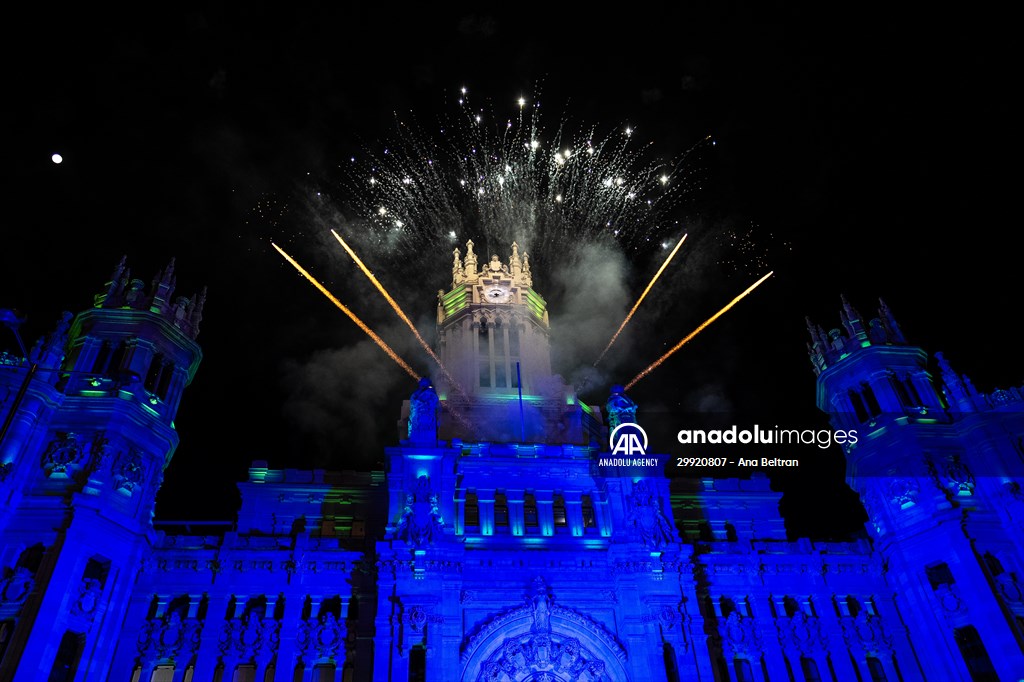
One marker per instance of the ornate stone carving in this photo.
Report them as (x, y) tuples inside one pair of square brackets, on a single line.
[(421, 522), (1011, 592), (249, 637), (956, 478), (803, 634), (864, 635), (49, 350), (741, 637), (541, 604), (645, 517), (953, 605), (496, 266), (418, 617), (424, 410), (88, 599), (100, 454), (903, 492), (321, 638), (539, 656), (129, 472), (620, 407), (664, 614), (16, 585), (170, 638), (62, 452), (570, 620)]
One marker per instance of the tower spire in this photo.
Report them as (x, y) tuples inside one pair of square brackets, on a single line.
[(114, 287), (892, 328)]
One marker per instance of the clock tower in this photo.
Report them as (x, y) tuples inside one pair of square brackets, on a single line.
[(493, 338)]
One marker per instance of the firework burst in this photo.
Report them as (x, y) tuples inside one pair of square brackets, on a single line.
[(503, 179)]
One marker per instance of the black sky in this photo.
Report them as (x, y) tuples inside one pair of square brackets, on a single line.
[(879, 147)]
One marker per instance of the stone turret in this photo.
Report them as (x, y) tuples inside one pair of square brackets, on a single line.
[(80, 467), (493, 338)]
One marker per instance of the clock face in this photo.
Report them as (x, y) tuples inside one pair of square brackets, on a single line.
[(497, 294)]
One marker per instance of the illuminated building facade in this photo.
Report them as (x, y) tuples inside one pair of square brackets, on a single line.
[(493, 548)]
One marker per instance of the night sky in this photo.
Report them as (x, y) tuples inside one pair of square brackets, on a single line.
[(865, 154)]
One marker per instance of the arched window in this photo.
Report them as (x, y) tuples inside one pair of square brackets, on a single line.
[(156, 368), (513, 354), (558, 505), (939, 574), (472, 510), (530, 510), (69, 654), (99, 365), (810, 669), (876, 669), (858, 406), (162, 673), (901, 391), (116, 360), (243, 673), (500, 510), (418, 664), (589, 518), (979, 665), (671, 668), (870, 401), (483, 340), (908, 381), (744, 671)]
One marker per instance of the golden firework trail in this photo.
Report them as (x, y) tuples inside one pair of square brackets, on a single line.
[(391, 301), (704, 325), (640, 300), (398, 311), (352, 316), (405, 318)]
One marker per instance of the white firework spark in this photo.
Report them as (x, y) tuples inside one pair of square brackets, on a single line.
[(499, 180)]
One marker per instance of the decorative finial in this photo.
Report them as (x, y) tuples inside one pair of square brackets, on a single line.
[(470, 261), (110, 298), (515, 266), (197, 313), (892, 328)]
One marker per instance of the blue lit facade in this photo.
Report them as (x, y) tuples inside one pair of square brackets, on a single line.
[(492, 548)]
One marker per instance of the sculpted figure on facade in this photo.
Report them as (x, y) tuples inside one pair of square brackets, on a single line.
[(620, 407), (646, 518), (421, 522), (424, 411), (541, 607)]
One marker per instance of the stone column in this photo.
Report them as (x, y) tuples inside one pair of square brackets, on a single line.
[(574, 512), (516, 511), (286, 648), (839, 651), (179, 671), (768, 627), (545, 511), (460, 511), (910, 671), (126, 652), (485, 506), (209, 643)]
